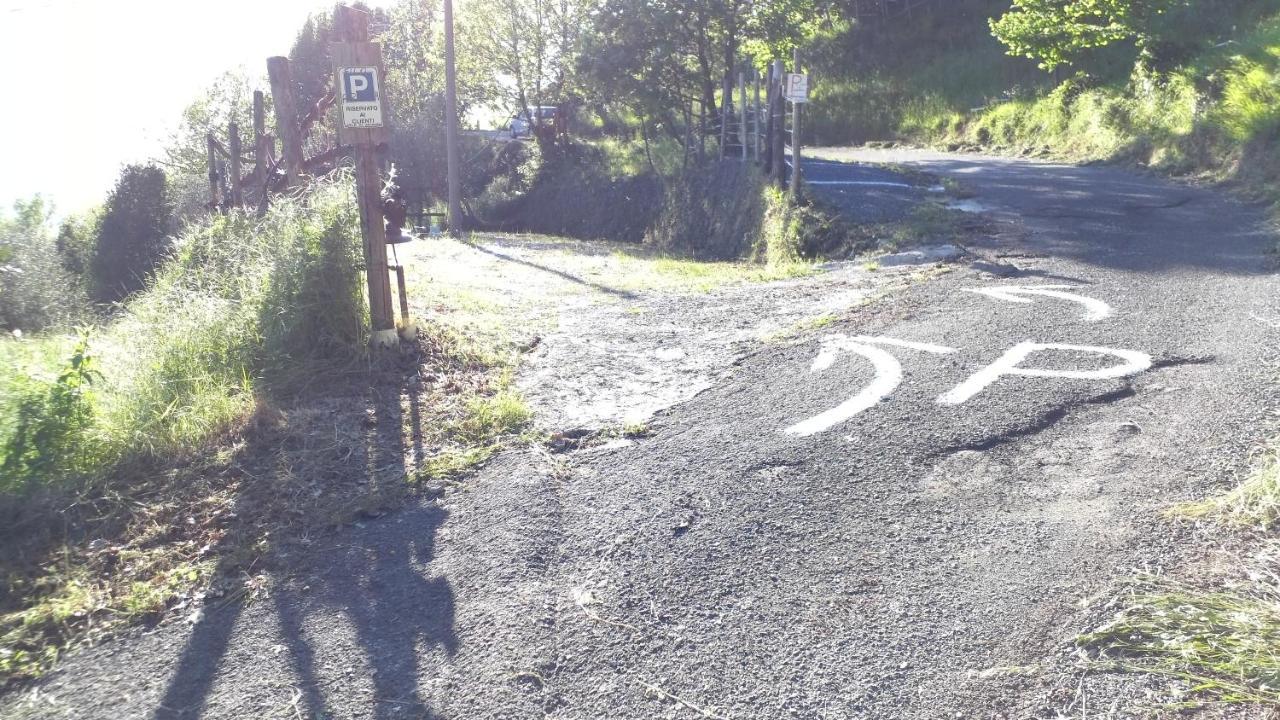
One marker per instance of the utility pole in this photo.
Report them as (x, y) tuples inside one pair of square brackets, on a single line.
[(795, 133), (451, 124), (358, 76)]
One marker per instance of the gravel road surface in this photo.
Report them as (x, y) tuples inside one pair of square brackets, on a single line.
[(903, 514)]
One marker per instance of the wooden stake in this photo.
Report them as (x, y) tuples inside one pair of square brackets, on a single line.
[(215, 190), (742, 107), (233, 140), (286, 117), (777, 111), (755, 118), (726, 109), (768, 121), (261, 149)]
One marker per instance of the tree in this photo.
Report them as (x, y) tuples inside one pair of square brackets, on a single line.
[(229, 98), (530, 46), (133, 233), (35, 291), (1062, 32), (657, 57)]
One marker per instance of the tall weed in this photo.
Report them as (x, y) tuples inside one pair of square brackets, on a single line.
[(243, 307)]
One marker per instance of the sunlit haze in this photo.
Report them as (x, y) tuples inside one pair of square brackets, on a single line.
[(94, 84)]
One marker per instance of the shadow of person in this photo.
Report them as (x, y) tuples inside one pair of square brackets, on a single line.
[(400, 612)]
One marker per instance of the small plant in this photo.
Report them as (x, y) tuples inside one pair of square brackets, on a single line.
[(47, 439)]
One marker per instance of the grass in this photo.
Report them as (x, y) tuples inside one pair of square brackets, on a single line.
[(1222, 644), (1255, 503), (685, 275), (1219, 637)]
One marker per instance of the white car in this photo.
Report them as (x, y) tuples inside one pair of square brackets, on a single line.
[(518, 126)]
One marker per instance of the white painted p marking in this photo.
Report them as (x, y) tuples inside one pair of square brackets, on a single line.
[(1008, 364), (1095, 310), (888, 377)]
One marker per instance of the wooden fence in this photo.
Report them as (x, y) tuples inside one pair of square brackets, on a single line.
[(305, 148)]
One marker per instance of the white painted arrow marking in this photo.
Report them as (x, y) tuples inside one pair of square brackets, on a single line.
[(1095, 309), (1134, 362), (888, 377)]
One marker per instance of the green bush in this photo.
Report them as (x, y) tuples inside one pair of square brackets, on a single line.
[(132, 234), (1250, 105), (575, 193), (713, 213), (244, 306), (36, 292)]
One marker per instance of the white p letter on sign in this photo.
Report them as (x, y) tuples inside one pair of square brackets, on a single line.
[(1134, 362)]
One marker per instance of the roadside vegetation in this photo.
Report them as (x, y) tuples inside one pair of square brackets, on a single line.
[(1218, 633)]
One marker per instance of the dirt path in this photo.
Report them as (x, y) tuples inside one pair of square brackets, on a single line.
[(854, 522)]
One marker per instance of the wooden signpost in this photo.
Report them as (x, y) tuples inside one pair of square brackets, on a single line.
[(362, 126)]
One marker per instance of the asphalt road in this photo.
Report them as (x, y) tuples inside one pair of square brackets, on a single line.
[(930, 555)]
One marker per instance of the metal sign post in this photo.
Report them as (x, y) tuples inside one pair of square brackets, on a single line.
[(357, 65)]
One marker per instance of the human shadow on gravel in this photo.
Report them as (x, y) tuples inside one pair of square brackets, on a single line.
[(378, 581)]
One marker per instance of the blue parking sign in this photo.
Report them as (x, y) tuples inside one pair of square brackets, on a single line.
[(361, 106), (359, 84)]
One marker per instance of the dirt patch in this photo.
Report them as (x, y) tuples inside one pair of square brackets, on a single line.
[(612, 334)]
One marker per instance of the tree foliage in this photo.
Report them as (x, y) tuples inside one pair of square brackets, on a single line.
[(528, 48), (1061, 32), (132, 234), (36, 292)]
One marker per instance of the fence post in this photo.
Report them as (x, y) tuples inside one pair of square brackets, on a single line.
[(755, 117), (286, 117), (211, 147), (261, 149), (795, 133), (777, 111), (233, 140), (742, 106)]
